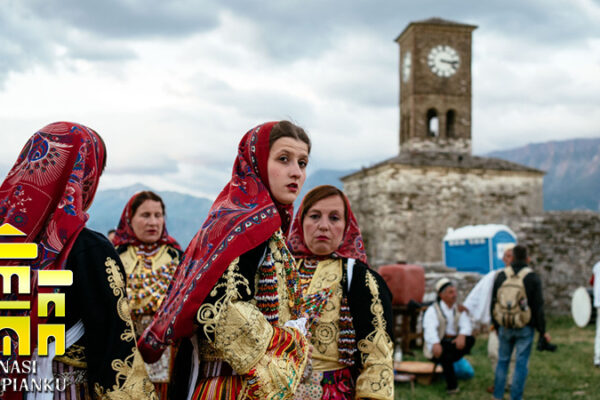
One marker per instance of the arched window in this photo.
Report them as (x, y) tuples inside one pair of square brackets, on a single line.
[(451, 124), (433, 123)]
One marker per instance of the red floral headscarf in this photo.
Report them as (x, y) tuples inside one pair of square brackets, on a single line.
[(352, 245), (124, 234), (243, 216), (50, 187), (46, 194)]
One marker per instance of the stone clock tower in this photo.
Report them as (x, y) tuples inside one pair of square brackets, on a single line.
[(435, 87), (405, 204)]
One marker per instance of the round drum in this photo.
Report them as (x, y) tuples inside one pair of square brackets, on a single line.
[(582, 306)]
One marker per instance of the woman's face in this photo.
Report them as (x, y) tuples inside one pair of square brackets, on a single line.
[(148, 221), (324, 225), (288, 158)]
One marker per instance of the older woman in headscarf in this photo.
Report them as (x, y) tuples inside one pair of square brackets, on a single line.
[(348, 305), (45, 196), (234, 296), (150, 257)]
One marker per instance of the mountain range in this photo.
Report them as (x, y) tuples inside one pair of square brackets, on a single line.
[(184, 213), (572, 181), (572, 167)]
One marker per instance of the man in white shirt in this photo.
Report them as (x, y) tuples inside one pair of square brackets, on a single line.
[(597, 305), (447, 332)]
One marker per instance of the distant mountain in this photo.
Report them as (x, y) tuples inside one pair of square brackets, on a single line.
[(185, 213), (572, 167)]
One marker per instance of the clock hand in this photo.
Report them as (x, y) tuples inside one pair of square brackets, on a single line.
[(449, 62)]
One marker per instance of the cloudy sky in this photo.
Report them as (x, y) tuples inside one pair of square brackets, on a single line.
[(173, 85)]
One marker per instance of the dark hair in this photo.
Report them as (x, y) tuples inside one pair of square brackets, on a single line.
[(105, 151), (111, 231), (319, 193), (520, 254), (287, 129), (143, 196)]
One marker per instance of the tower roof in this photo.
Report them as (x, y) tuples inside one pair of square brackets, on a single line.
[(451, 160), (436, 21)]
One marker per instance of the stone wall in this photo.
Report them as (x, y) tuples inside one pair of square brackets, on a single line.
[(440, 143), (404, 211), (563, 246)]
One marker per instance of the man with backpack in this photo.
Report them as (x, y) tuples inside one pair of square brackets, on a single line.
[(477, 304), (517, 309)]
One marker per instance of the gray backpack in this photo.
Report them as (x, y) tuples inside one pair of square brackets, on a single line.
[(511, 309)]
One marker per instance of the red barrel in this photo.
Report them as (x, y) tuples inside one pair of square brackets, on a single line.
[(406, 281)]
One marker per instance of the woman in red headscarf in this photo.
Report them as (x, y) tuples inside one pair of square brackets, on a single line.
[(150, 257), (348, 305), (45, 196), (236, 288)]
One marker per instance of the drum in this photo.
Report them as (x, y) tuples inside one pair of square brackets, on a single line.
[(582, 306)]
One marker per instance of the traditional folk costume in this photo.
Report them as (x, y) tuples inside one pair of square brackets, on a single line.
[(349, 308), (149, 269), (233, 293), (45, 195), (441, 325)]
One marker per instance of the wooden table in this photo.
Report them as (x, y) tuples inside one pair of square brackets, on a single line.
[(423, 370)]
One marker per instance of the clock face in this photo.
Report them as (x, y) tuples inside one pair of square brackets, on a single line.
[(443, 61), (406, 63)]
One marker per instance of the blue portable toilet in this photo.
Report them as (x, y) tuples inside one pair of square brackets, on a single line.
[(477, 248)]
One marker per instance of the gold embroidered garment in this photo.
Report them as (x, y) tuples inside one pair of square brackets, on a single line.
[(148, 276), (131, 379), (149, 272), (270, 358), (375, 346), (109, 366), (325, 332), (376, 379)]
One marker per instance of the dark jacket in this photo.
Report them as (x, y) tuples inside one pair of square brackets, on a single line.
[(535, 297)]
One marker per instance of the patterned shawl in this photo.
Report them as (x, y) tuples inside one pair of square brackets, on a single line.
[(352, 245), (125, 235), (46, 194), (242, 217)]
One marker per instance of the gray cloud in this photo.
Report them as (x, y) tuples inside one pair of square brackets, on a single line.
[(130, 19), (288, 30), (331, 66)]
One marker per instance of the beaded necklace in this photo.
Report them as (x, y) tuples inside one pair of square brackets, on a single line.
[(314, 303), (267, 299), (146, 290)]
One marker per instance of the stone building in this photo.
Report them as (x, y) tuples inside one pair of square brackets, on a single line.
[(405, 204)]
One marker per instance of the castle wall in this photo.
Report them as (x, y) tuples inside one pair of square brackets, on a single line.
[(563, 246), (405, 211)]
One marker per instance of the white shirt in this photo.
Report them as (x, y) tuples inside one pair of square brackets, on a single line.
[(597, 284), (479, 300), (431, 324)]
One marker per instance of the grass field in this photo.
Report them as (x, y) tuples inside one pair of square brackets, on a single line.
[(567, 373)]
